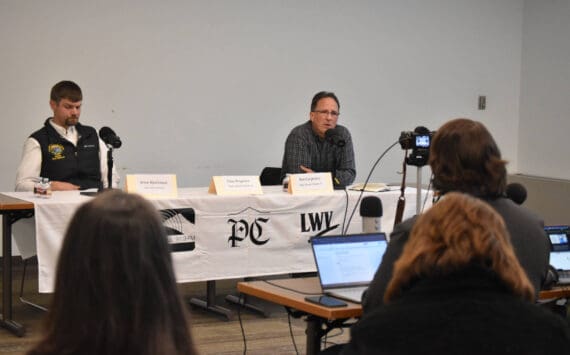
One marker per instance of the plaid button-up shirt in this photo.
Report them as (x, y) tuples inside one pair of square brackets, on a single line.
[(304, 147)]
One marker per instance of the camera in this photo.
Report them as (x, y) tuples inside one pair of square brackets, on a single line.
[(419, 142), (415, 139)]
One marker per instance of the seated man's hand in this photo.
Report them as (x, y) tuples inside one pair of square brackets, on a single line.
[(63, 186), (305, 169)]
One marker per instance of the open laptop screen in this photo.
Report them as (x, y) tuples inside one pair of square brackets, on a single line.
[(558, 236), (559, 246), (560, 260), (351, 260)]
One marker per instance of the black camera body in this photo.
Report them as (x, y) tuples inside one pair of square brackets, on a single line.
[(419, 142), (415, 140)]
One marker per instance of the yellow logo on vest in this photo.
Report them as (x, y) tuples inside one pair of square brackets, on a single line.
[(56, 151)]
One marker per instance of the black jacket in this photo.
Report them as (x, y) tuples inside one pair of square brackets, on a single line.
[(470, 312), (528, 238), (62, 161)]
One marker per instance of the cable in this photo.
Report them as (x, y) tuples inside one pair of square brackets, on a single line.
[(366, 183), (291, 289), (402, 199), (325, 341), (240, 304), (291, 332), (345, 210), (427, 193)]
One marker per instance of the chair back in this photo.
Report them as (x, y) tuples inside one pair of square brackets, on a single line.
[(270, 176)]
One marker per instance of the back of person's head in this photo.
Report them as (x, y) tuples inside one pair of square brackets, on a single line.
[(66, 90), (460, 232), (115, 290), (321, 95), (464, 157)]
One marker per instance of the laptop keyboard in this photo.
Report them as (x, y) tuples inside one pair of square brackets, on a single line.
[(564, 276), (353, 293)]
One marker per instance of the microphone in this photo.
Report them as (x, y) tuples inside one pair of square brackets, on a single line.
[(516, 192), (334, 137), (371, 211), (108, 136)]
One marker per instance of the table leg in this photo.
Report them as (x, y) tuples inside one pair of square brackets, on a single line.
[(314, 333), (242, 302), (210, 303), (6, 320)]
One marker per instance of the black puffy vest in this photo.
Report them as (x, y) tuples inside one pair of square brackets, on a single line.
[(62, 161)]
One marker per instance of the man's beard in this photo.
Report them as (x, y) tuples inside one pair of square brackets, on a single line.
[(71, 121)]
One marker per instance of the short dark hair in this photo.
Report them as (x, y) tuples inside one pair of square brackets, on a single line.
[(66, 90), (115, 290), (464, 157), (321, 95)]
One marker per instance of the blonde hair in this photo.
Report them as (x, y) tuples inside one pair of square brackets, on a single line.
[(458, 232)]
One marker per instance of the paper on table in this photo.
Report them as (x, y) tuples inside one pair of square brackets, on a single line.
[(370, 187)]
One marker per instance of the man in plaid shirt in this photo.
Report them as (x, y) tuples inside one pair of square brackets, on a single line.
[(308, 149)]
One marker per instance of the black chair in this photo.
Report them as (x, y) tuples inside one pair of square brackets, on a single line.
[(270, 176)]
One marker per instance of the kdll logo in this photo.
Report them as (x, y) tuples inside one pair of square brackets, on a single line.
[(318, 223), (179, 224)]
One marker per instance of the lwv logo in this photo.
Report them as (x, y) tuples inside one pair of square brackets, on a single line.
[(317, 222)]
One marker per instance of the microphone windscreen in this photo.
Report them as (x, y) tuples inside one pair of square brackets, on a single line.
[(108, 136), (334, 137), (516, 192), (105, 133), (332, 132), (371, 206)]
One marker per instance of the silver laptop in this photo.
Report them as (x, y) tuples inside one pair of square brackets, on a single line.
[(347, 263), (560, 251)]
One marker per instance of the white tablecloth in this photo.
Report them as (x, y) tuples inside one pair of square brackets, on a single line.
[(226, 236)]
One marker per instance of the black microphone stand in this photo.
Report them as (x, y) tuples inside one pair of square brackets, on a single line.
[(109, 174), (109, 166)]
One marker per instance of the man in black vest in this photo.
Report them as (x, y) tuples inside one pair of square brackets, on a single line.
[(66, 152)]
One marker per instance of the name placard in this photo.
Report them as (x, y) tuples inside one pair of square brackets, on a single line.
[(152, 185), (235, 185), (310, 184)]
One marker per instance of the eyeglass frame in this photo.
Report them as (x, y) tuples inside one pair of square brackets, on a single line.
[(333, 114)]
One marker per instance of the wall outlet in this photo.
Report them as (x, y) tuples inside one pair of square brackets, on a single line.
[(482, 103)]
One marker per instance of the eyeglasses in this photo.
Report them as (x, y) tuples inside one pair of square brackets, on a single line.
[(334, 114)]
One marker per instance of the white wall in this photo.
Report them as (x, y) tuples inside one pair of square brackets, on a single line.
[(544, 133), (202, 88)]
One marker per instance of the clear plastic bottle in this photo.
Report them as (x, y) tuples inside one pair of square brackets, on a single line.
[(42, 188)]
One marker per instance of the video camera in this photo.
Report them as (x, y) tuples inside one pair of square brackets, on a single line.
[(419, 141)]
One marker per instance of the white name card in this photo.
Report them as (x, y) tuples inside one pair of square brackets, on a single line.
[(235, 185), (152, 185), (310, 184)]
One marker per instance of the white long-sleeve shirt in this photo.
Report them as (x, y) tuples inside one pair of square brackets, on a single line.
[(31, 163)]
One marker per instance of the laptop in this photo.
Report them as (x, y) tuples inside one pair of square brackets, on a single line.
[(560, 251), (346, 264)]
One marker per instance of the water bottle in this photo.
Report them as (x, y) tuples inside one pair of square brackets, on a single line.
[(42, 188)]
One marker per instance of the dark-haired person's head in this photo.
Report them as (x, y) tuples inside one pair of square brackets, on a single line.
[(458, 233), (65, 101), (66, 90), (464, 157), (115, 290), (325, 110), (322, 95)]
